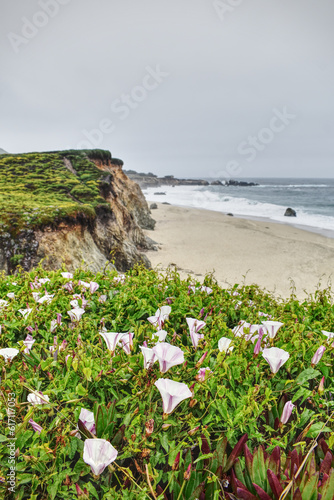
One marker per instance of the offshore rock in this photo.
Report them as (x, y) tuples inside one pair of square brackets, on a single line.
[(290, 212)]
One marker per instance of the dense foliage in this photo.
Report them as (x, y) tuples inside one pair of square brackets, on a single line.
[(38, 189), (191, 452)]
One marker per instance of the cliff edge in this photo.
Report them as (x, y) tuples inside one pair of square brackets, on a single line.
[(70, 207)]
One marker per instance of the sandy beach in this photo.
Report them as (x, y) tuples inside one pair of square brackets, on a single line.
[(241, 251)]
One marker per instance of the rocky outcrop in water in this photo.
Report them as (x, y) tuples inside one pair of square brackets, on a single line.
[(72, 208), (290, 212)]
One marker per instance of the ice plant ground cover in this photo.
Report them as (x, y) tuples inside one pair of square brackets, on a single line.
[(233, 404)]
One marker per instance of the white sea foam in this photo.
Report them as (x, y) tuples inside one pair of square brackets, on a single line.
[(197, 197)]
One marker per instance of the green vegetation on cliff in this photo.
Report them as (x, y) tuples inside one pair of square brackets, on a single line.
[(44, 188)]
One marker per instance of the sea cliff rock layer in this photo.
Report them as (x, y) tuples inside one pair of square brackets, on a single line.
[(70, 207)]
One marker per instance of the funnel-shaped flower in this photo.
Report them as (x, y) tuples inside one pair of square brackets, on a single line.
[(275, 357), (43, 280), (68, 276), (11, 295), (168, 355), (149, 356), (272, 327), (172, 393), (46, 298), (53, 325), (75, 314), (286, 413), (83, 284), (9, 353), (35, 426), (127, 341), (87, 418), (239, 329), (224, 345), (25, 312), (93, 286), (318, 355), (161, 315), (102, 299), (98, 453), (329, 335), (159, 336), (195, 326), (68, 286), (36, 296), (202, 374), (3, 303), (28, 342), (36, 400), (111, 338)]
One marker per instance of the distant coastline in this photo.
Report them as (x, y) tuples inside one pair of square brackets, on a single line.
[(152, 180)]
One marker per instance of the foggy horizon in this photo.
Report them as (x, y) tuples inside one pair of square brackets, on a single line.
[(215, 89)]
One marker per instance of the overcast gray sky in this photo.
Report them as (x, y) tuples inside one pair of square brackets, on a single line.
[(190, 87)]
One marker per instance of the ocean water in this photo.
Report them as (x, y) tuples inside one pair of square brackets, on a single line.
[(312, 199)]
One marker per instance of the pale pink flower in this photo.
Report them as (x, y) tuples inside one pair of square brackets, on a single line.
[(272, 327), (87, 418), (68, 276), (93, 286), (127, 342), (25, 312), (159, 336), (43, 399), (46, 298), (28, 342), (98, 453), (149, 356), (75, 314), (9, 353), (161, 315), (68, 286), (203, 373), (224, 345), (53, 326), (102, 299), (275, 357), (112, 339), (168, 355), (195, 326), (172, 393)]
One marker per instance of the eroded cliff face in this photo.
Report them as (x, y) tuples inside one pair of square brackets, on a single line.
[(112, 236)]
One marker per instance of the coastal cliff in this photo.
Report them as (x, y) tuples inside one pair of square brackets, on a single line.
[(70, 207)]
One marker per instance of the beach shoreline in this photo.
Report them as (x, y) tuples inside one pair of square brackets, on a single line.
[(274, 255)]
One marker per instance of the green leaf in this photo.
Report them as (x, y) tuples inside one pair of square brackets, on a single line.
[(316, 428), (203, 457), (306, 375), (80, 390)]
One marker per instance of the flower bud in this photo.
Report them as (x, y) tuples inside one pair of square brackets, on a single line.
[(149, 426), (321, 387), (176, 463), (286, 413), (187, 474)]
